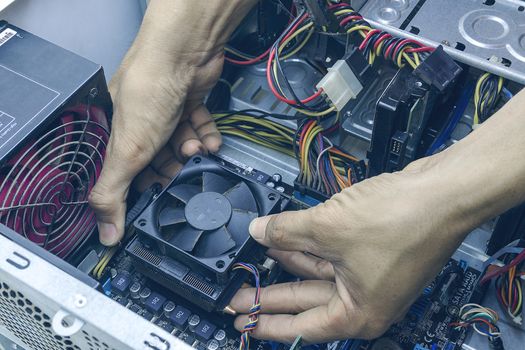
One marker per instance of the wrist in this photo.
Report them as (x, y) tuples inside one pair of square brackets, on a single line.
[(190, 32)]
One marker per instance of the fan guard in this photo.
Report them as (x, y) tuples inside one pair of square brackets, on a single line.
[(44, 187)]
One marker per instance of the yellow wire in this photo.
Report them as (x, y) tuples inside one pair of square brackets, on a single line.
[(238, 54), (300, 47), (477, 97)]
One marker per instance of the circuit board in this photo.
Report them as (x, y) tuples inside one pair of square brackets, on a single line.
[(427, 324)]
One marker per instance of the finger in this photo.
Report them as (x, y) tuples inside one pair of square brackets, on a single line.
[(304, 265), (293, 297), (148, 177), (125, 158), (291, 231), (165, 163), (185, 142), (206, 130), (317, 325)]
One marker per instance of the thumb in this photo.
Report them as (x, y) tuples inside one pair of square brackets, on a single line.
[(292, 230), (124, 160)]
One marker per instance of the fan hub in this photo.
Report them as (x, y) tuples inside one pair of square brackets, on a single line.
[(208, 211)]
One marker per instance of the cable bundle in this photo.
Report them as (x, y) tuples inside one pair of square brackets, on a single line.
[(312, 106), (486, 95), (482, 319), (323, 167), (377, 43), (250, 125), (509, 293), (253, 316)]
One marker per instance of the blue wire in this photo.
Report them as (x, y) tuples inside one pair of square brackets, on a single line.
[(454, 120)]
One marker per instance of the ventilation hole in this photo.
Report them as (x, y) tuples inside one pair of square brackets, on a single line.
[(46, 324), (414, 30), (29, 310), (38, 318), (506, 62), (489, 2), (12, 294), (20, 303), (460, 46)]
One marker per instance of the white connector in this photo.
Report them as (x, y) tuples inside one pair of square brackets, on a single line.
[(340, 84)]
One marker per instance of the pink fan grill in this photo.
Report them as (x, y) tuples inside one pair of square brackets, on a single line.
[(44, 187)]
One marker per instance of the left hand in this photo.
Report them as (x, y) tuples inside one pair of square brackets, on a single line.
[(375, 246)]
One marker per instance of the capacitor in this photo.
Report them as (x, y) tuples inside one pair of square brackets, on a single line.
[(270, 184), (220, 336), (193, 322), (135, 289), (144, 294), (168, 308), (277, 178), (213, 344)]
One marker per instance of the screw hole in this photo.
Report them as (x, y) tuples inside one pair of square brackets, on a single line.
[(272, 196), (197, 160), (142, 222), (220, 264), (521, 8)]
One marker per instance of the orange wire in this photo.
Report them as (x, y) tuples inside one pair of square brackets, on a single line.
[(338, 177), (342, 154)]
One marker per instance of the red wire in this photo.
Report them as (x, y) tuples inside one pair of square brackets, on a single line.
[(251, 61), (381, 38), (348, 19), (499, 271), (368, 36), (421, 49), (334, 6)]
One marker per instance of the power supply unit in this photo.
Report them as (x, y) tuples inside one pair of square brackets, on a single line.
[(54, 127)]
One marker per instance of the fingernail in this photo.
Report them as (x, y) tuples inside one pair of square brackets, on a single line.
[(255, 229), (229, 310), (108, 234)]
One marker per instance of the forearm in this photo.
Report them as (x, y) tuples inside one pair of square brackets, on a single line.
[(205, 26), (482, 175)]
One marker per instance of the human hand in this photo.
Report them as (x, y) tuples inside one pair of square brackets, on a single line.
[(375, 247), (159, 119)]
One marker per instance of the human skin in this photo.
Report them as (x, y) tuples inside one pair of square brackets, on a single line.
[(376, 244)]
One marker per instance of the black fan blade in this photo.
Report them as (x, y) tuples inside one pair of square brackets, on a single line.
[(214, 243), (241, 197), (184, 192), (186, 238), (239, 224), (212, 182), (170, 216)]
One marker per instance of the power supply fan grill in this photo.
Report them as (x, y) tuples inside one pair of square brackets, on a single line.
[(45, 186), (214, 219)]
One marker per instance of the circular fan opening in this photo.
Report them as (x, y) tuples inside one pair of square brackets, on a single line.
[(44, 187)]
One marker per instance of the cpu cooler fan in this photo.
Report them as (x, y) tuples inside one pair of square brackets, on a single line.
[(192, 234)]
